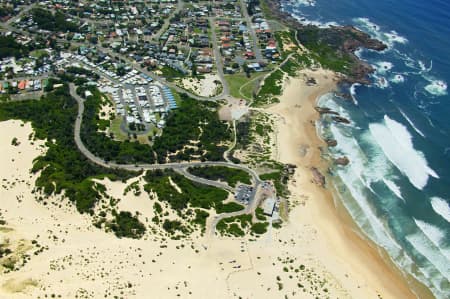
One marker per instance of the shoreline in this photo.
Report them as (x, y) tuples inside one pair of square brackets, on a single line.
[(298, 129), (77, 251)]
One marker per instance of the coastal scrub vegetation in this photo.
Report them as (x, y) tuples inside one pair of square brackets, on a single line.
[(190, 200), (103, 146), (239, 226), (279, 179), (230, 175), (192, 194), (324, 51), (126, 225), (193, 121), (259, 228), (62, 169), (269, 91)]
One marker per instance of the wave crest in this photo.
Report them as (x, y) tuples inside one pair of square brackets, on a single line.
[(396, 143), (441, 207)]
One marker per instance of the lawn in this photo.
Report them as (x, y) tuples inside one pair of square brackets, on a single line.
[(236, 81), (115, 129)]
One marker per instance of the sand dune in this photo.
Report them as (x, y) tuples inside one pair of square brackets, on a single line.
[(315, 254)]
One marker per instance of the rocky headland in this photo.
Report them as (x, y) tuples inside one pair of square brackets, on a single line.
[(334, 47)]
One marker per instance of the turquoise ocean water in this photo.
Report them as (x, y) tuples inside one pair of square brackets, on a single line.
[(397, 185)]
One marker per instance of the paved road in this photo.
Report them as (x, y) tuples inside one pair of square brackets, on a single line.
[(23, 11), (139, 167), (256, 48), (253, 203), (179, 167), (220, 185), (218, 58), (165, 26), (137, 66), (225, 91)]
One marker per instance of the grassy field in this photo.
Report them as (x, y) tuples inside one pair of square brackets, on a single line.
[(38, 53), (176, 96), (236, 81), (115, 129)]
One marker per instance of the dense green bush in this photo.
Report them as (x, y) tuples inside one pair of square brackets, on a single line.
[(52, 22), (62, 168), (259, 228), (10, 48), (192, 194), (230, 175), (126, 225)]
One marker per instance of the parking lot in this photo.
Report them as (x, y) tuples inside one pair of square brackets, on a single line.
[(243, 193)]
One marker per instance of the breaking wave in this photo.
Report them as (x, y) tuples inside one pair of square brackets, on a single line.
[(394, 188), (441, 207), (411, 123), (438, 269), (306, 2), (396, 143), (389, 38)]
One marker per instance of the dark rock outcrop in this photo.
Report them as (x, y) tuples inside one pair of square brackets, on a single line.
[(318, 177), (331, 142), (343, 161), (342, 41), (341, 119), (344, 95), (325, 110)]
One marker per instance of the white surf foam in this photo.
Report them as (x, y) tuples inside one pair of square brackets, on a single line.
[(433, 233), (441, 207), (394, 37), (396, 143), (394, 188), (353, 92), (380, 81), (423, 68), (359, 52), (383, 67), (307, 2), (426, 248), (412, 124), (303, 20), (367, 167), (437, 88), (397, 79), (389, 38)]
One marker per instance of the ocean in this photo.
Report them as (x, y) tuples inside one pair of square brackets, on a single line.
[(397, 185)]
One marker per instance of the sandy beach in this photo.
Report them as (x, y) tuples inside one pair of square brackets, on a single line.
[(354, 261), (315, 254)]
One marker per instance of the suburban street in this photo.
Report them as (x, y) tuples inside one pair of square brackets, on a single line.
[(179, 167), (256, 48)]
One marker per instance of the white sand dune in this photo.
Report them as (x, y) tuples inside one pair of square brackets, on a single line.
[(82, 261)]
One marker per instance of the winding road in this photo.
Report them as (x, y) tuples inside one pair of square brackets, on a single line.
[(178, 167)]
